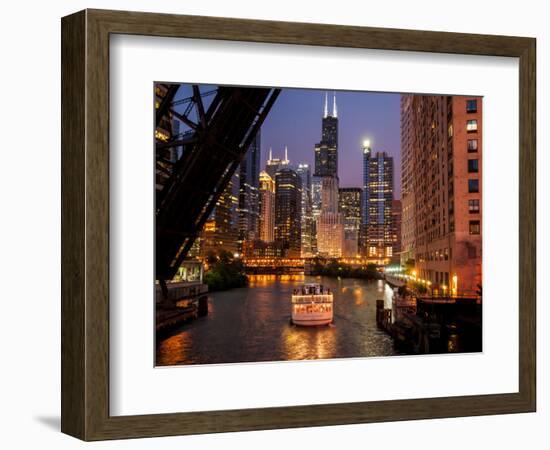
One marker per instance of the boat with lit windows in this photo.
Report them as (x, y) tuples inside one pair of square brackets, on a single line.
[(312, 305)]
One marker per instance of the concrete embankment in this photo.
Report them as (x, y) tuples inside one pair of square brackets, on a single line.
[(184, 303)]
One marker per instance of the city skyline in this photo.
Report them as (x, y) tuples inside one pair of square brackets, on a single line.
[(295, 120), (245, 219), (317, 174), (308, 211)]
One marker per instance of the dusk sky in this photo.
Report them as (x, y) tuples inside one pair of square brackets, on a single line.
[(295, 121)]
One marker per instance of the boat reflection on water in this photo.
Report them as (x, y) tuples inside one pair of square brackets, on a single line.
[(303, 343), (265, 280)]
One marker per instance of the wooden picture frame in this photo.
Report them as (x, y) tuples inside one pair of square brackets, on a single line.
[(85, 224)]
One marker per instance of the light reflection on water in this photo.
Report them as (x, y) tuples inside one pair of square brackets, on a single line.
[(253, 324)]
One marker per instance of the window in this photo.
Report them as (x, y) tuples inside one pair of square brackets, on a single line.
[(471, 126), (473, 185), (474, 227), (472, 252), (471, 106), (473, 166), (473, 206), (472, 145), (450, 130)]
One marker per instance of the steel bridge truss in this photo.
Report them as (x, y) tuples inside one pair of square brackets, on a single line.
[(216, 140)]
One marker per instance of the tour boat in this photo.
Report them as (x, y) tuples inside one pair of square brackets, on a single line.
[(312, 304)]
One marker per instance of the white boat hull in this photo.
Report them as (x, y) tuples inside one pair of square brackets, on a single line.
[(312, 319), (312, 305)]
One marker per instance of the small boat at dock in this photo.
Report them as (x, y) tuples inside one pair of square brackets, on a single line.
[(312, 305)]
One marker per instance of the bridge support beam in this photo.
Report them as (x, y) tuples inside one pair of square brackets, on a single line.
[(215, 149)]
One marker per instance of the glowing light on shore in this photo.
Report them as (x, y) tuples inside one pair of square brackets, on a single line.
[(454, 285)]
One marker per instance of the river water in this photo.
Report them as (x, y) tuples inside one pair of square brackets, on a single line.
[(253, 324)]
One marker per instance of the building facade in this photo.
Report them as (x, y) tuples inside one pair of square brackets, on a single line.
[(288, 208), (378, 193), (220, 232), (367, 150), (442, 217), (316, 206), (248, 208), (350, 200), (266, 223), (408, 223), (396, 213), (330, 223), (262, 249), (308, 229)]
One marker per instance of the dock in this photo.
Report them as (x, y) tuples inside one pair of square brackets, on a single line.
[(432, 325), (186, 302)]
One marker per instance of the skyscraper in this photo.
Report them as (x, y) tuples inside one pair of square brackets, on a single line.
[(304, 173), (248, 210), (441, 178), (316, 185), (329, 231), (273, 165), (267, 208), (288, 208), (378, 191), (367, 150), (330, 224), (326, 151), (221, 231), (408, 224), (351, 209)]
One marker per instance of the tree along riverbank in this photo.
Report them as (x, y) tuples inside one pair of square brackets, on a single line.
[(338, 269), (224, 272)]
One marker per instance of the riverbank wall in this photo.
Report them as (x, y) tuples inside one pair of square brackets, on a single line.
[(432, 325), (185, 302)]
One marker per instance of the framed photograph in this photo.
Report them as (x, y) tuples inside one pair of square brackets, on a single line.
[(273, 225)]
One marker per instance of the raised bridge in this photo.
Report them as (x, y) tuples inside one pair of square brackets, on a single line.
[(190, 181)]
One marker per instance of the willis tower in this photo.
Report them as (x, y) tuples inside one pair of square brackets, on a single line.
[(326, 151), (329, 231)]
